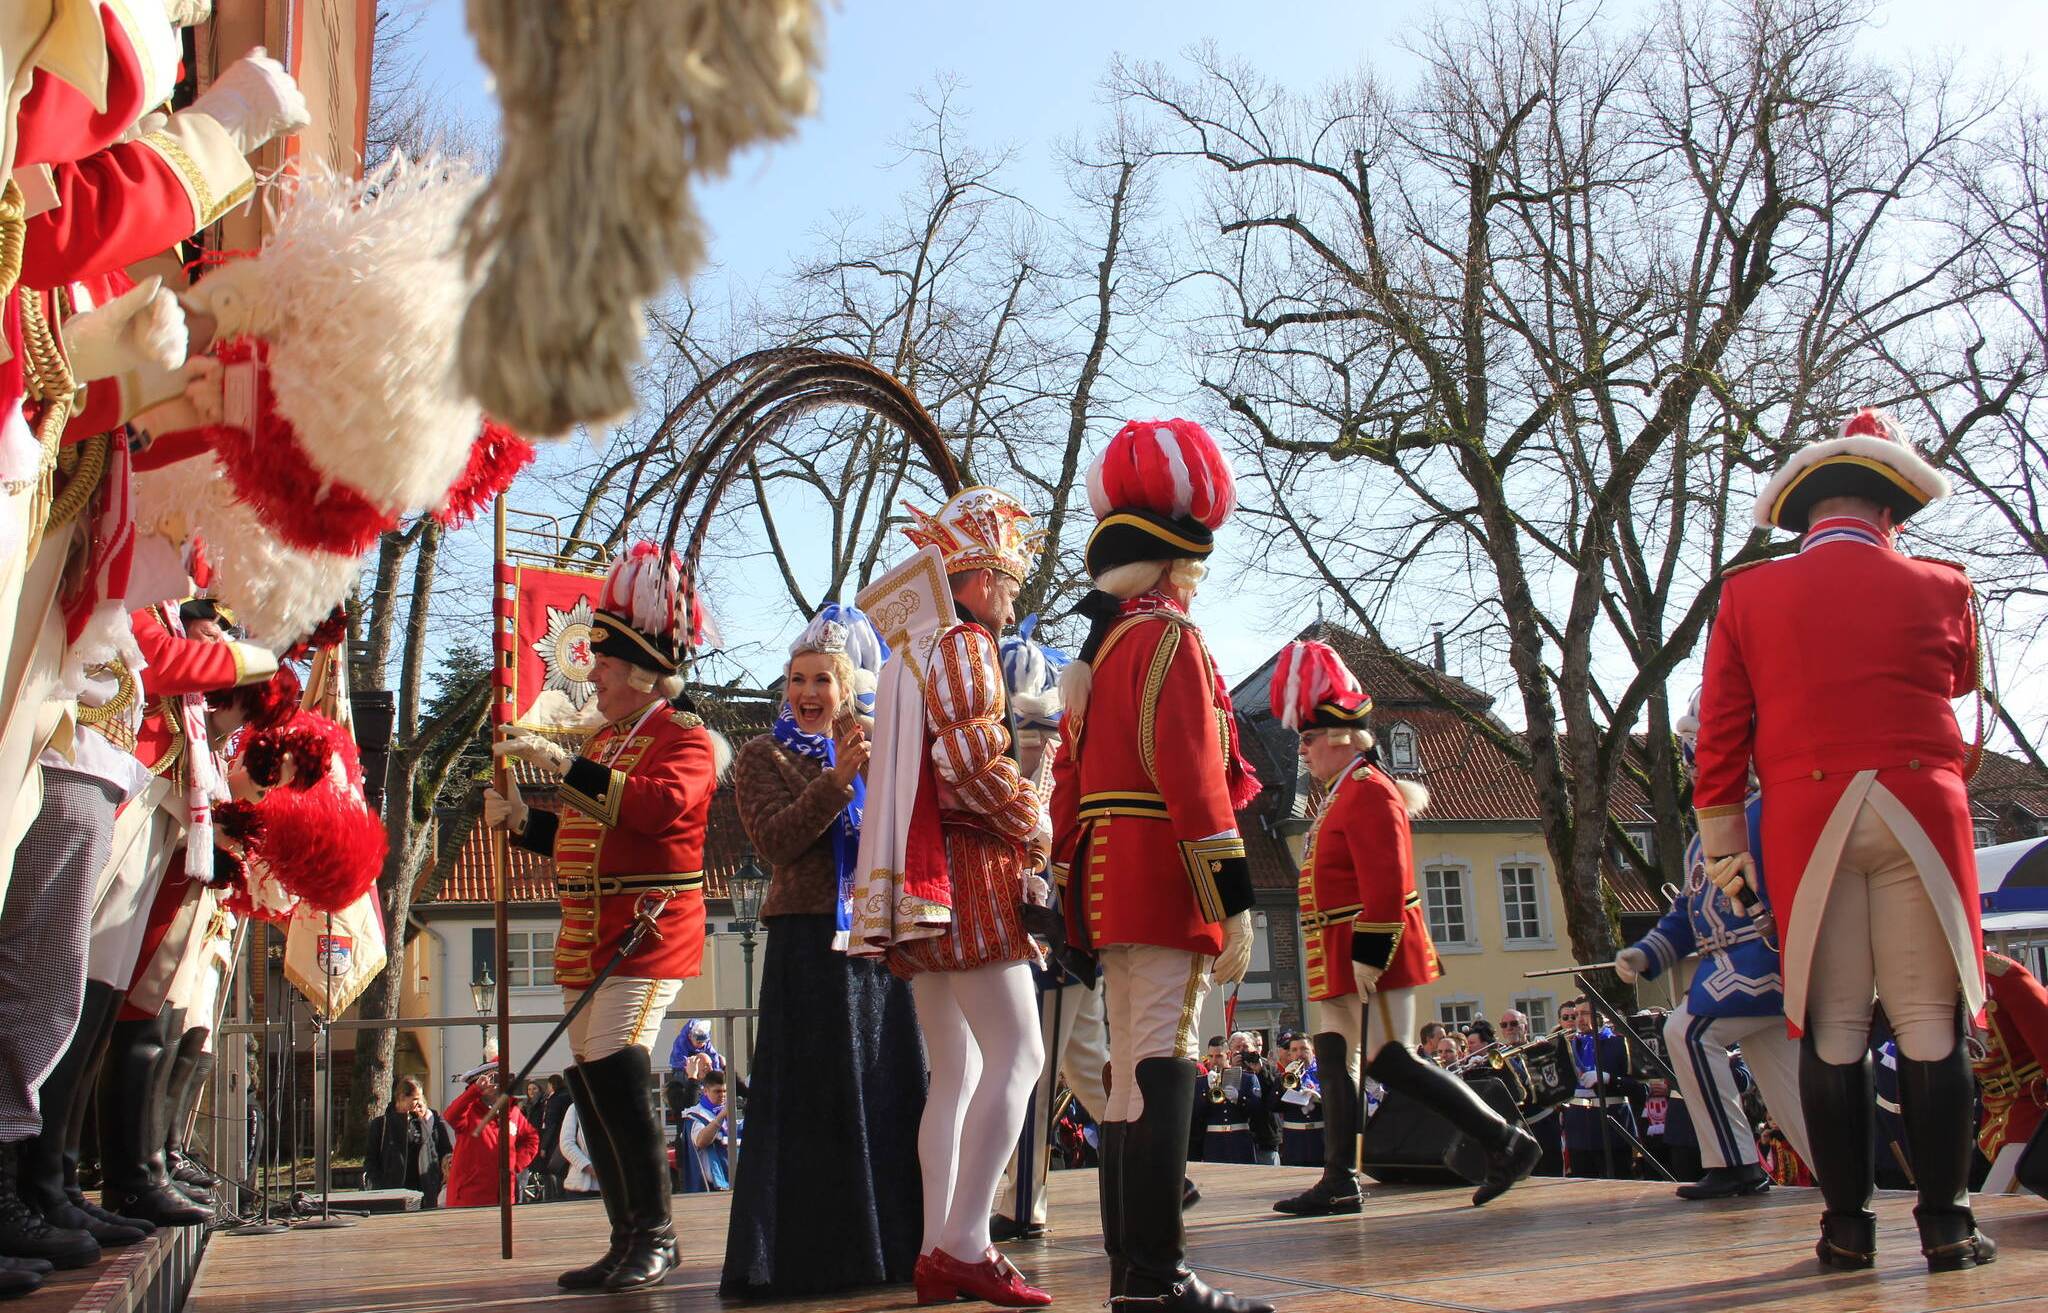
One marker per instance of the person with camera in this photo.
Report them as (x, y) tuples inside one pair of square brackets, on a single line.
[(473, 1166), (408, 1143)]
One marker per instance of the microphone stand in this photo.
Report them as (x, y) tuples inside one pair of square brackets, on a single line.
[(262, 1225), (323, 1057)]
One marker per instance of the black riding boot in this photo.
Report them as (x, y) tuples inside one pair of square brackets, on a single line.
[(1839, 1102), (40, 1158), (189, 1071), (1336, 1191), (1496, 1152), (171, 1030), (605, 1163), (620, 1085), (1155, 1160), (25, 1234), (1936, 1101), (1109, 1182), (131, 1135), (82, 1104)]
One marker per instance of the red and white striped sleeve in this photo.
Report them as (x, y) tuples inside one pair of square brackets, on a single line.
[(964, 709)]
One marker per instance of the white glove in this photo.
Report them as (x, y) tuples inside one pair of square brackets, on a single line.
[(1630, 963), (1036, 891), (505, 811), (254, 101), (144, 325), (535, 752), (1236, 957), (1734, 875), (188, 13), (1366, 978)]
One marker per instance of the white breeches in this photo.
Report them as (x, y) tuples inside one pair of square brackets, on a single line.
[(1388, 1016), (137, 866), (1706, 1077), (626, 1014), (1075, 1020), (1155, 998), (1880, 936), (982, 1047)]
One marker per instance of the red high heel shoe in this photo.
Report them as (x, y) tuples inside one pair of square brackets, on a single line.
[(942, 1278)]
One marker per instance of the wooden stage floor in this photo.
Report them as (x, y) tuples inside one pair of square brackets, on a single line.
[(1547, 1244)]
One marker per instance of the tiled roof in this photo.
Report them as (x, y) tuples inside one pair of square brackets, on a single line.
[(2010, 793), (1393, 680)]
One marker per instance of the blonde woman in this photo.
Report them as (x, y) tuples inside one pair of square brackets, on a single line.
[(827, 1196)]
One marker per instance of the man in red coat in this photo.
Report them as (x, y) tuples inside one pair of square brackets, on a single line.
[(1366, 943), (2011, 1070), (1146, 844), (1832, 672), (473, 1167), (627, 844)]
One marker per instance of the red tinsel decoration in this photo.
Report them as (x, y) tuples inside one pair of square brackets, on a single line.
[(271, 472), (309, 742), (328, 633), (322, 845), (240, 821), (495, 459)]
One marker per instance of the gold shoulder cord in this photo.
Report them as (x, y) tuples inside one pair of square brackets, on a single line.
[(49, 380)]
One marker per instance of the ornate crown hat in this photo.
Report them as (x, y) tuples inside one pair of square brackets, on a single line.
[(648, 612), (846, 630), (1159, 491), (1870, 459), (1314, 689), (979, 528)]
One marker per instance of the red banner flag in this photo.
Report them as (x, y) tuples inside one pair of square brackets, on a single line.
[(543, 641)]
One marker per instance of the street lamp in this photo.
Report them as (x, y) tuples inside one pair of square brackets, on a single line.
[(483, 992), (749, 887)]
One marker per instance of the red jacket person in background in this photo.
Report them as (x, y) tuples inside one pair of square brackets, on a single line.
[(1366, 944), (1832, 670), (1144, 824), (473, 1167), (629, 841)]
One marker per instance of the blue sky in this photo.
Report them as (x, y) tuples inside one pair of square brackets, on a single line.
[(1028, 75)]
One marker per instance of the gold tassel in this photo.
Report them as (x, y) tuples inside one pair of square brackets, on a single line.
[(49, 379)]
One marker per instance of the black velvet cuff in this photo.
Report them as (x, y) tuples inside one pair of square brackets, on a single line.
[(540, 832), (1373, 948), (1234, 885)]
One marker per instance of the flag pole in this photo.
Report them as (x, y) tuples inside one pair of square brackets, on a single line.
[(501, 872)]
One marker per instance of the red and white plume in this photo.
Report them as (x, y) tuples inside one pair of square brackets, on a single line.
[(1307, 675), (646, 588), (1171, 467)]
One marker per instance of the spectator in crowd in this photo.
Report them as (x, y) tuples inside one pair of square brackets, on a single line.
[(1247, 1052), (1431, 1032), (707, 1131), (407, 1146), (1478, 1035), (579, 1178), (473, 1169), (552, 1162), (534, 1105), (1514, 1027), (694, 1038)]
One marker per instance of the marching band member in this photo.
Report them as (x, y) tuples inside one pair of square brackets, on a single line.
[(627, 845), (1301, 1105), (2015, 1052), (1605, 1089), (1368, 945), (949, 799), (1831, 671), (1736, 998), (1147, 849), (1069, 1008)]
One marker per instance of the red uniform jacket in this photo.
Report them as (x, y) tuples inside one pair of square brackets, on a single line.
[(184, 665), (632, 823), (473, 1167), (1833, 671), (1358, 897), (1145, 842), (2015, 1051)]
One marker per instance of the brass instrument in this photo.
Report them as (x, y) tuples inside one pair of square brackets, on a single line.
[(1291, 1078), (1217, 1094)]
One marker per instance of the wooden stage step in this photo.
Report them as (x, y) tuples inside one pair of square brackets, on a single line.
[(151, 1277), (1547, 1244)]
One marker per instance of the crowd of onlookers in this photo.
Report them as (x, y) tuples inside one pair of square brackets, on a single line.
[(451, 1157)]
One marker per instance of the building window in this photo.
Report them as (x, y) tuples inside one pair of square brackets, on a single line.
[(1645, 839), (1455, 1013), (1521, 904), (1984, 834), (1402, 750), (1539, 1009), (1445, 905), (530, 958)]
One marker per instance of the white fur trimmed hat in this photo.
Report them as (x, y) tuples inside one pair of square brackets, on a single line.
[(1870, 459)]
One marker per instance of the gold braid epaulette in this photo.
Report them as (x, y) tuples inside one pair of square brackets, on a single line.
[(83, 465), (110, 718)]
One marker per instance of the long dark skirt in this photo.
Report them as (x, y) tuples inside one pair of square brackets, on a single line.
[(828, 1194)]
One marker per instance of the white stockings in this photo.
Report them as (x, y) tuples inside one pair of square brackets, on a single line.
[(982, 1044)]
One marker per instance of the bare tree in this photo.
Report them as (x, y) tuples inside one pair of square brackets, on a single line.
[(1552, 310)]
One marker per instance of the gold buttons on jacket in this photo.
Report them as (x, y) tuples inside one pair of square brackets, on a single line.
[(1816, 775), (1913, 764)]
